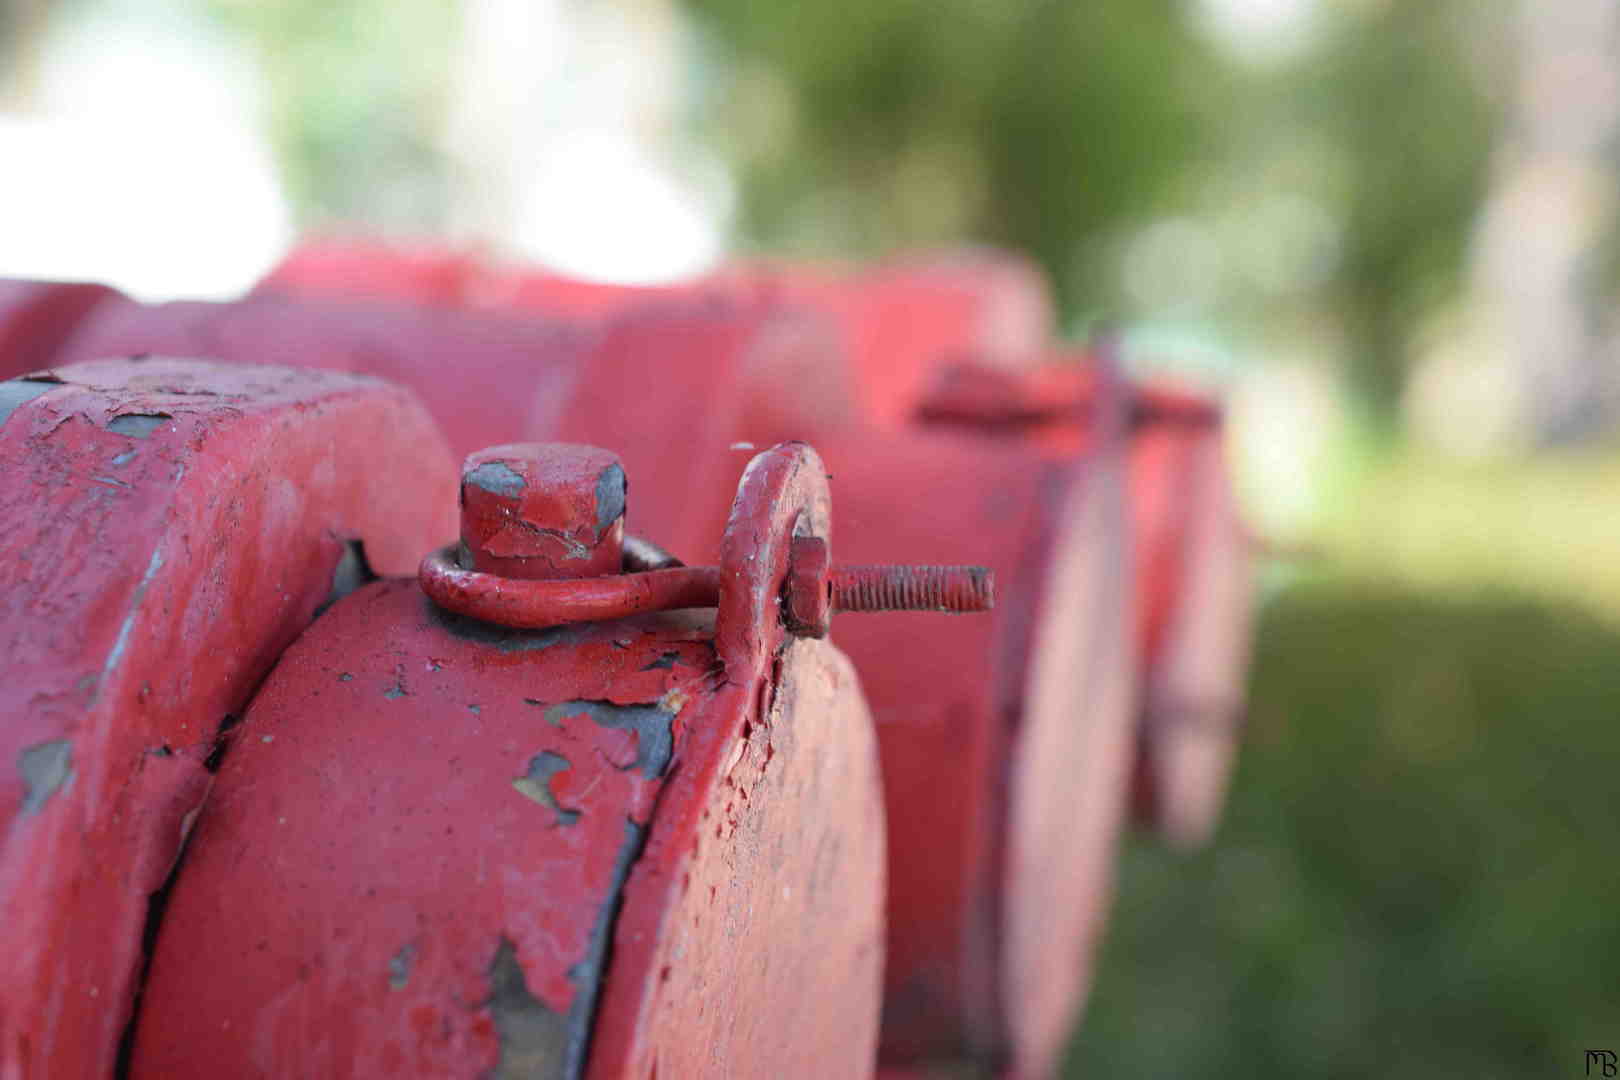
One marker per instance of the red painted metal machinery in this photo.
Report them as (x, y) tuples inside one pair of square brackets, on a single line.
[(549, 801)]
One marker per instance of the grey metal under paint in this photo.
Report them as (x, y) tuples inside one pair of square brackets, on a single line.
[(137, 425), (45, 768), (610, 495), (496, 477), (15, 392), (652, 725)]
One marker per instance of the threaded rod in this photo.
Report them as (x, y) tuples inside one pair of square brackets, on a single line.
[(958, 589)]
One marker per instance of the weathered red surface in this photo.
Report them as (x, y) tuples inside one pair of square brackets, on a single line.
[(647, 847), (952, 698), (36, 317), (366, 270), (1000, 464), (1070, 764), (896, 321), (543, 510), (170, 527), (949, 696), (485, 378)]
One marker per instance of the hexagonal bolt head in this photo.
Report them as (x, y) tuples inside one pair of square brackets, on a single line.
[(543, 510)]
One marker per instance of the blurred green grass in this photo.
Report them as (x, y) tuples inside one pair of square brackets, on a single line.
[(1416, 875)]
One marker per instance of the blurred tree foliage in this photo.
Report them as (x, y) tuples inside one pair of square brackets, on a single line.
[(1404, 93), (1058, 127), (356, 104), (860, 125)]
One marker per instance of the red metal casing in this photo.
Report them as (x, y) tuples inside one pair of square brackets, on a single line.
[(37, 317), (734, 360), (987, 833), (170, 527), (1194, 578), (645, 847), (894, 321)]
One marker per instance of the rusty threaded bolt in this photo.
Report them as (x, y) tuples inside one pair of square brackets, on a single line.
[(958, 589), (543, 510), (816, 589)]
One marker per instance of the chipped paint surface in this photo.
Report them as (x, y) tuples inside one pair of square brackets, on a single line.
[(649, 723), (534, 1040), (170, 587), (444, 831), (548, 800), (952, 699), (542, 510), (15, 392), (536, 784), (399, 967), (496, 477), (138, 425), (610, 492)]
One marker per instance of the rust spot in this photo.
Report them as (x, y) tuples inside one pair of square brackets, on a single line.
[(45, 768)]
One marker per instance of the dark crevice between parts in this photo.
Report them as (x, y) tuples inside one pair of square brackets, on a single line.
[(222, 741), (352, 571), (157, 901), (587, 975), (537, 1043), (505, 639), (527, 1029)]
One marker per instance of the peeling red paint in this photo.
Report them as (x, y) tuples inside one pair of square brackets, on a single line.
[(733, 938), (951, 433), (136, 616)]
